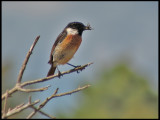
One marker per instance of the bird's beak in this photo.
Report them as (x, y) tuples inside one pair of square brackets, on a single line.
[(88, 27)]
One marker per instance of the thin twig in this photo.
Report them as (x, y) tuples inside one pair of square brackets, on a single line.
[(19, 108), (69, 93), (18, 87), (33, 90), (40, 106), (55, 95), (26, 61), (43, 113), (5, 104), (55, 92), (14, 89)]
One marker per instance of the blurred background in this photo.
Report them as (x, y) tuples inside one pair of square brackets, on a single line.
[(123, 47)]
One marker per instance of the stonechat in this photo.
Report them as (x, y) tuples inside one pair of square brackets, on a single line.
[(66, 45)]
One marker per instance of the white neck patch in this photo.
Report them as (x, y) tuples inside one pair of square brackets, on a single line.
[(72, 31)]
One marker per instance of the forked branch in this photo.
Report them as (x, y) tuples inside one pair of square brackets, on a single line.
[(20, 87)]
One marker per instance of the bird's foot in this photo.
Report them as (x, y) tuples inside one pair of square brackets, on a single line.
[(59, 74)]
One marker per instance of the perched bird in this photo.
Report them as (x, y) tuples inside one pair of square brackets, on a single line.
[(66, 45)]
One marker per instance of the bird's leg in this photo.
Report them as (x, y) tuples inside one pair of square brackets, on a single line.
[(59, 73), (74, 66)]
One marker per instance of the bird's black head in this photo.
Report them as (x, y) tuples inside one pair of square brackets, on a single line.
[(77, 26)]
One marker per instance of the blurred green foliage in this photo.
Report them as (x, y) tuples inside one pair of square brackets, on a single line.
[(118, 93)]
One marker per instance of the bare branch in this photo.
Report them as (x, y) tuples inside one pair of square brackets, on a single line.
[(26, 61), (70, 92), (56, 91), (20, 87), (55, 95), (19, 108), (56, 75), (43, 80), (43, 113), (14, 89), (33, 90), (5, 104)]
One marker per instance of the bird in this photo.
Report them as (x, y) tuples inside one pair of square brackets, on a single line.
[(66, 45)]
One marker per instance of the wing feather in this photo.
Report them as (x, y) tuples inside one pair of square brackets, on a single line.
[(59, 39)]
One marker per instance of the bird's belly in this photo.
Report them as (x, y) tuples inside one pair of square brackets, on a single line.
[(66, 50), (66, 56)]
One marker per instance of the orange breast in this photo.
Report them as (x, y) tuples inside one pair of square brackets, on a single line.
[(68, 48), (72, 42)]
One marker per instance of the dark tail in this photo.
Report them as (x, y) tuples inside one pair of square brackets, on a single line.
[(51, 71)]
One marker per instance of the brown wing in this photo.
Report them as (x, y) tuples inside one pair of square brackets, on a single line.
[(59, 39)]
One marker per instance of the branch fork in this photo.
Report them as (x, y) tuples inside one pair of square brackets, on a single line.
[(20, 87)]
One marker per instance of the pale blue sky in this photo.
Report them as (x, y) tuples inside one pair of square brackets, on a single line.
[(121, 30)]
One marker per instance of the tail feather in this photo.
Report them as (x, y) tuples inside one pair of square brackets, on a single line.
[(51, 71)]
